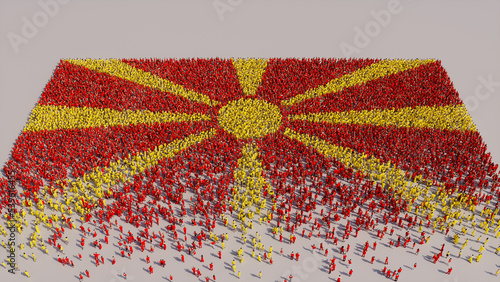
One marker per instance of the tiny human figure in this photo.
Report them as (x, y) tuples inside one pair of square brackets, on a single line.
[(449, 270)]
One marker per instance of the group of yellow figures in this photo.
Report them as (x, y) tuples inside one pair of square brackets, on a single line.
[(450, 117), (49, 117), (257, 246)]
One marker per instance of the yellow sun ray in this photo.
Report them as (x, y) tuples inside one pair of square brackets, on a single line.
[(347, 156), (249, 73), (450, 117), (360, 76), (249, 181), (123, 70), (94, 182), (396, 180), (48, 117)]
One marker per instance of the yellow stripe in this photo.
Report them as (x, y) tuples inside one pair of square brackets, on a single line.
[(249, 73), (249, 172), (46, 117), (387, 174), (371, 72), (347, 156), (396, 180), (140, 162), (127, 168), (451, 117), (123, 70), (249, 182)]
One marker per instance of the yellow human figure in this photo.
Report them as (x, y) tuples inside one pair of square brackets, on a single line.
[(479, 257), (259, 258)]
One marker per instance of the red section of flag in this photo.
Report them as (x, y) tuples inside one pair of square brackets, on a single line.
[(50, 154), (279, 152), (215, 78), (426, 85), (285, 78), (436, 154), (77, 86)]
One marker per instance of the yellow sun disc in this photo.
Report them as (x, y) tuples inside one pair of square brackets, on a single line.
[(250, 118)]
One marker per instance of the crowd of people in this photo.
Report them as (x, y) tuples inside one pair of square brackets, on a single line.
[(131, 138)]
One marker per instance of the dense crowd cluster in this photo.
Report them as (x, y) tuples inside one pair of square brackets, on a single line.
[(252, 142)]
